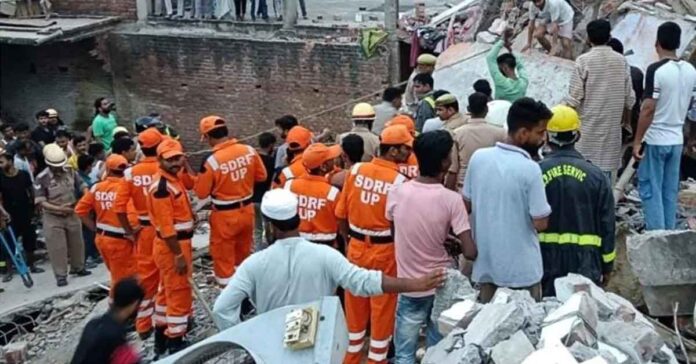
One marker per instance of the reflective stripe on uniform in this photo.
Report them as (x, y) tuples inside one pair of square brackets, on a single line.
[(333, 193), (370, 232), (145, 303), (608, 258), (320, 237), (380, 344), (144, 217), (229, 202), (357, 335), (176, 329), (213, 162), (110, 228), (222, 281), (288, 185), (377, 357), (287, 172), (177, 320), (184, 226), (356, 348), (355, 168), (145, 313), (569, 238)]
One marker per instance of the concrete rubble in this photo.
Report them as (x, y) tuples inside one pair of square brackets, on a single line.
[(456, 288), (582, 324)]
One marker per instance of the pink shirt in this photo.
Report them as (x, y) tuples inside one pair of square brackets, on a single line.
[(423, 215)]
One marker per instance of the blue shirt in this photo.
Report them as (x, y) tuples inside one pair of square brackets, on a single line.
[(506, 192), (290, 272)]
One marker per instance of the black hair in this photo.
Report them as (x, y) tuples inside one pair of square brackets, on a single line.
[(149, 152), (21, 127), (9, 156), (285, 225), (391, 94), (599, 31), (218, 133), (478, 103), (78, 138), (84, 161), (454, 105), (438, 93), (97, 104), (41, 114), (95, 148), (290, 154), (616, 45), (127, 292), (26, 144), (526, 113), (118, 146), (669, 36), (4, 127), (384, 148), (266, 140), (484, 87), (565, 137), (507, 59), (286, 122), (121, 135), (424, 79), (431, 149), (354, 147), (63, 133)]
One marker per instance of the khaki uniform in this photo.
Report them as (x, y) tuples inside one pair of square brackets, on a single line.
[(476, 134), (63, 233), (456, 121), (370, 141)]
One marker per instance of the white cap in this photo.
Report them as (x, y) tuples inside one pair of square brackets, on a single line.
[(279, 204)]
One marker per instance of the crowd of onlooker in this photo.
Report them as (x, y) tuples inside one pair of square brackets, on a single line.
[(221, 9)]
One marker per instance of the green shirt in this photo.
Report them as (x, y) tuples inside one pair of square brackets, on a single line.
[(506, 88), (103, 129)]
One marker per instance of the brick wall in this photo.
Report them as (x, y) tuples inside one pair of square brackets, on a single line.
[(249, 82), (124, 8), (63, 76)]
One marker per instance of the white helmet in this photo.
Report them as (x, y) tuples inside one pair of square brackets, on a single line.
[(54, 155)]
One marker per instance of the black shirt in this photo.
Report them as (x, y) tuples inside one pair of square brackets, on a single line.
[(101, 337), (261, 187), (637, 80), (17, 195), (45, 135)]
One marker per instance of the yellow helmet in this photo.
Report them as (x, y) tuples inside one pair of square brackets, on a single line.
[(564, 119), (363, 111)]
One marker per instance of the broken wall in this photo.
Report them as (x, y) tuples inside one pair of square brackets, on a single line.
[(251, 82), (64, 76), (124, 8)]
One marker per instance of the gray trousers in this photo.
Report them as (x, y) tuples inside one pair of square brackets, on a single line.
[(63, 236)]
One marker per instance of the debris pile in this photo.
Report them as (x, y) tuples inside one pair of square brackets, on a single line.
[(582, 324), (629, 212)]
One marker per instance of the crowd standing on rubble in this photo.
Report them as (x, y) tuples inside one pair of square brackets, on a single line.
[(516, 193)]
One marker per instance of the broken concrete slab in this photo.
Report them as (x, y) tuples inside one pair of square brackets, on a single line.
[(512, 350), (459, 315), (612, 354), (579, 305), (572, 283), (456, 288), (665, 356), (582, 352), (639, 342), (553, 352), (454, 341), (493, 324), (575, 321), (596, 360)]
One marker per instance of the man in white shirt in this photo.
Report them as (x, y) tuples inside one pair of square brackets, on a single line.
[(554, 17), (293, 270), (670, 86)]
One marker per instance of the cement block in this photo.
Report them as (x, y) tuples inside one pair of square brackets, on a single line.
[(659, 299), (16, 353), (493, 324), (582, 352), (639, 342), (596, 360), (579, 305), (570, 330), (452, 342), (512, 350), (663, 258), (575, 321), (552, 353), (456, 288), (459, 315), (612, 354), (665, 356), (572, 283)]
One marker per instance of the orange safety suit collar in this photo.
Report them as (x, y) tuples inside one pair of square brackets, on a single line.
[(225, 144), (296, 158), (168, 176), (385, 163), (312, 177)]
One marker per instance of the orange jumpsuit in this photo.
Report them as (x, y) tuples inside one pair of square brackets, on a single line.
[(317, 206), (363, 203), (228, 178), (410, 168), (137, 181), (294, 170), (117, 251), (171, 215)]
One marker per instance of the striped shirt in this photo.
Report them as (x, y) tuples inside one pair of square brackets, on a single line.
[(600, 89)]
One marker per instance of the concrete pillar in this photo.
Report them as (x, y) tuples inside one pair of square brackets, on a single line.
[(290, 15), (391, 19), (143, 9)]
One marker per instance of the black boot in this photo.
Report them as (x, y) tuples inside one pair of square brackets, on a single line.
[(160, 342), (176, 344)]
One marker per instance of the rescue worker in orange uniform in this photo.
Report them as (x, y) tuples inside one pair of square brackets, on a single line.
[(114, 244), (137, 181), (361, 213), (228, 178), (298, 139), (172, 217), (410, 168), (317, 198)]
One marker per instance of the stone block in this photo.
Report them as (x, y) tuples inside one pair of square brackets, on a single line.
[(512, 350), (579, 305), (650, 253), (612, 354), (493, 324), (570, 330), (459, 315), (456, 288), (639, 342), (572, 283), (596, 360), (582, 352), (16, 353), (665, 356), (437, 354), (575, 321), (552, 352)]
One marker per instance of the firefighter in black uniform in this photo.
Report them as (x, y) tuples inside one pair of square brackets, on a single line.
[(580, 237)]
